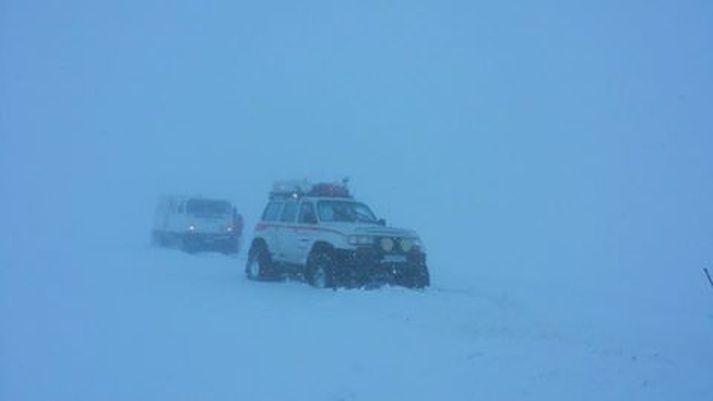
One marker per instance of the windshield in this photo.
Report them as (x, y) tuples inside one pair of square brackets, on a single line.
[(344, 211), (204, 207)]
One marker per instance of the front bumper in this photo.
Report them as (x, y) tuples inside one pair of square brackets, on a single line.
[(220, 241), (365, 265)]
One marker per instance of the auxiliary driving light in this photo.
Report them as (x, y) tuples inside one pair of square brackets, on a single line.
[(406, 244)]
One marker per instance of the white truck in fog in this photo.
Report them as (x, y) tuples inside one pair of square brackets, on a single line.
[(320, 232), (195, 224)]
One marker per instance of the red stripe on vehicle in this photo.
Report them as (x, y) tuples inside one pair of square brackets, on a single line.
[(265, 226)]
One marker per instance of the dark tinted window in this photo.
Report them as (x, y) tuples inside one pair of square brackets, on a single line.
[(307, 215), (206, 207), (272, 211), (289, 212), (345, 211)]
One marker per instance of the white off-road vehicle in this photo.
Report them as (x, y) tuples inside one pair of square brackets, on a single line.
[(195, 224), (320, 232)]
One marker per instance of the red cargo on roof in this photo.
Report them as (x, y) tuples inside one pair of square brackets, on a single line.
[(330, 190)]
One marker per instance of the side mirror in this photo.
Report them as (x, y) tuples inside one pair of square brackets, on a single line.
[(381, 222)]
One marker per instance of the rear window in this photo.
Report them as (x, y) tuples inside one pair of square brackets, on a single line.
[(272, 211)]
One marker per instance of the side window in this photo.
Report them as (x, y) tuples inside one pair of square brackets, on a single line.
[(289, 212), (272, 211), (307, 215)]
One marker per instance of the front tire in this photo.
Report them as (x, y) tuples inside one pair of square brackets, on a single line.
[(321, 270), (231, 247), (188, 244), (420, 278)]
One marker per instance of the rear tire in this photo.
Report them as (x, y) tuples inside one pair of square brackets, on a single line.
[(259, 266)]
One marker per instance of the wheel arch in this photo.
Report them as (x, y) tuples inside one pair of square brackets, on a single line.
[(258, 241), (321, 246)]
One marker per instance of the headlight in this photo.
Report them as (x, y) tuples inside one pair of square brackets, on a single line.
[(230, 229), (360, 240), (387, 244), (191, 228)]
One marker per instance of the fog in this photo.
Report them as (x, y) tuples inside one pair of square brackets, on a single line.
[(542, 144)]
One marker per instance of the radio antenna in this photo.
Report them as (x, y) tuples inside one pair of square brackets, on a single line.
[(710, 280)]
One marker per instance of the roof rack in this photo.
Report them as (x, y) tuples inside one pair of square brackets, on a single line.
[(292, 189)]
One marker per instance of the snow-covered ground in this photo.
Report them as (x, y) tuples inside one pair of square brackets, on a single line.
[(124, 321)]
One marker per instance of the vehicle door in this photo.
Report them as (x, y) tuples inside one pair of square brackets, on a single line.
[(268, 228), (306, 233), (287, 233)]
